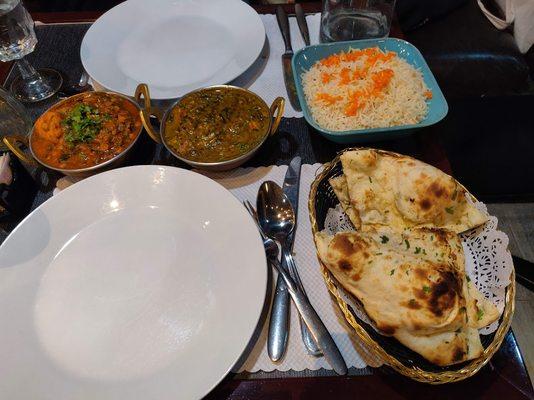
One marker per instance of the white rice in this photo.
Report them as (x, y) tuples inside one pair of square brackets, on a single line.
[(402, 101)]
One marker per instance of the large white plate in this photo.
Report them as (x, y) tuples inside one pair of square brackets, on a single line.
[(174, 46), (144, 282)]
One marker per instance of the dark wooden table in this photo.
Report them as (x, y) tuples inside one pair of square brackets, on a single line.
[(505, 377)]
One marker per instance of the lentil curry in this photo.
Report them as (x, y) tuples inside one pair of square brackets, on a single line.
[(85, 131), (216, 124)]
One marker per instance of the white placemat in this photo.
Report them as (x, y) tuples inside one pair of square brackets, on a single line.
[(244, 184), (265, 77)]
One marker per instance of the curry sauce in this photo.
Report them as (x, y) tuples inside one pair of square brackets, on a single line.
[(216, 124), (85, 131)]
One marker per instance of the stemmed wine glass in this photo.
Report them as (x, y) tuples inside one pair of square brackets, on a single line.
[(17, 39)]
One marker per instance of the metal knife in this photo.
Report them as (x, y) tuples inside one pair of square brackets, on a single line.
[(303, 26), (283, 23), (291, 190), (279, 322)]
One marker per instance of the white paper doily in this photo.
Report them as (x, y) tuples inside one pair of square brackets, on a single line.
[(487, 260)]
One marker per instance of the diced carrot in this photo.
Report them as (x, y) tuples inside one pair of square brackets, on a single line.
[(428, 94), (331, 61), (352, 55), (359, 73), (328, 99), (381, 79), (355, 103), (326, 77), (344, 76)]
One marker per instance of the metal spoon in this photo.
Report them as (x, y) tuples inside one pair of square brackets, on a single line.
[(307, 312), (80, 87), (275, 212)]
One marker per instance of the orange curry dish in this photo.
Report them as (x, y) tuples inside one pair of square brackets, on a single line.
[(85, 131)]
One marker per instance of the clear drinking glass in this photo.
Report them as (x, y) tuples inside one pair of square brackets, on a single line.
[(355, 19), (17, 39)]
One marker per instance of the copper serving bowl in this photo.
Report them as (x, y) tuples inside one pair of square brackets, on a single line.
[(275, 111), (13, 143)]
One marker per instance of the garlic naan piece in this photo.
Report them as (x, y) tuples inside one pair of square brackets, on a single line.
[(481, 312), (412, 284), (401, 192), (445, 348), (398, 288), (339, 185)]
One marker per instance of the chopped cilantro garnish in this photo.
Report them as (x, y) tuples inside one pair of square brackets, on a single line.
[(82, 124), (384, 239), (392, 272), (417, 250), (370, 180), (463, 309), (468, 279), (426, 289), (378, 254), (412, 302), (449, 210), (407, 244), (431, 237), (480, 314)]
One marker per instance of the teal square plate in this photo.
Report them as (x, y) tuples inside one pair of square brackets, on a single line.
[(437, 106)]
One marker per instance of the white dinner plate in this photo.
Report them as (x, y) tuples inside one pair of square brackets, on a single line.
[(144, 282), (174, 46)]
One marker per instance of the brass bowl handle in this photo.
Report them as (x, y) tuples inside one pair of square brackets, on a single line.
[(12, 143), (142, 92), (277, 111)]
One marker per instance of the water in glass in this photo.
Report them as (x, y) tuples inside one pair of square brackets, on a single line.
[(17, 36), (355, 19)]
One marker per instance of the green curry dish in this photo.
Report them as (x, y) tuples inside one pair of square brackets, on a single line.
[(215, 125), (82, 124)]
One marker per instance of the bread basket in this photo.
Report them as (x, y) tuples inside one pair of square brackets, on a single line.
[(388, 349)]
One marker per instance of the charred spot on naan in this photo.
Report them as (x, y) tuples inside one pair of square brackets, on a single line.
[(458, 354), (437, 288), (386, 329), (444, 294), (344, 265), (350, 245), (412, 304)]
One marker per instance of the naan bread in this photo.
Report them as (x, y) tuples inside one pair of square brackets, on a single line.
[(481, 312), (412, 285), (445, 348), (339, 185), (400, 192)]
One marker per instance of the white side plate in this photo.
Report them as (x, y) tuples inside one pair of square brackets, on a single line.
[(174, 46)]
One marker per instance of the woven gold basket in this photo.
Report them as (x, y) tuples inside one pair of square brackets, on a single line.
[(394, 354)]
